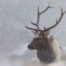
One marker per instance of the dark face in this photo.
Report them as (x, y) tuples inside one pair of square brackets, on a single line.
[(37, 43)]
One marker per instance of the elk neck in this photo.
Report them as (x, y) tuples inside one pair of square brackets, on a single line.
[(46, 53)]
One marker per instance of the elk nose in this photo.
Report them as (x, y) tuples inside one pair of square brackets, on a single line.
[(29, 46)]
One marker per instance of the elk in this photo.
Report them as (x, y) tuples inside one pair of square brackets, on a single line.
[(48, 50)]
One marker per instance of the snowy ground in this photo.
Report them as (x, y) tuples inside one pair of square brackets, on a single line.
[(14, 38)]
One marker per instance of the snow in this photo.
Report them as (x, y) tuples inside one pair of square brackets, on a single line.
[(14, 37)]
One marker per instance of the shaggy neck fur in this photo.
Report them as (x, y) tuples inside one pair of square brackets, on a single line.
[(49, 53)]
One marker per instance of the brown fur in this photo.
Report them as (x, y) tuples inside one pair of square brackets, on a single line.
[(44, 49)]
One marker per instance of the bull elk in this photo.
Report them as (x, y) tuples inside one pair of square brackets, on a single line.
[(48, 49)]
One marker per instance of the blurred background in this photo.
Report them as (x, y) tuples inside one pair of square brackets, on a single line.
[(14, 37)]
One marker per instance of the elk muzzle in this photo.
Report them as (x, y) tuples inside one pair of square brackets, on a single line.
[(30, 47)]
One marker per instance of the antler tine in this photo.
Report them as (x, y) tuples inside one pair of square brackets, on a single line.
[(33, 29), (46, 8), (57, 21), (62, 14)]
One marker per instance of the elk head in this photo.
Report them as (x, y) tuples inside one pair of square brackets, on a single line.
[(43, 41), (43, 35)]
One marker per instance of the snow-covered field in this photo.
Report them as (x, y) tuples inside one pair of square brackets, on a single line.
[(14, 38)]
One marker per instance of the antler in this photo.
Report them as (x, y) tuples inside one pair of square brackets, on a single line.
[(38, 18), (37, 29), (57, 21)]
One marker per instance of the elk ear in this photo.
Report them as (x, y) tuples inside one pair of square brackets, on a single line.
[(47, 32), (51, 38)]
